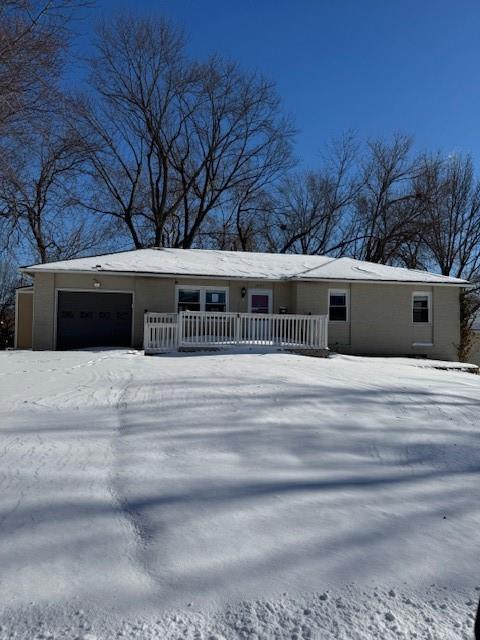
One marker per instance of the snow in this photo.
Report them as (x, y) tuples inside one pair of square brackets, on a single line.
[(237, 495), (236, 264), (352, 270), (421, 363)]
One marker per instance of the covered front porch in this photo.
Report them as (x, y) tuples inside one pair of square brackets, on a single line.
[(187, 330)]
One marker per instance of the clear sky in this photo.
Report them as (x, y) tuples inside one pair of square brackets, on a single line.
[(374, 66)]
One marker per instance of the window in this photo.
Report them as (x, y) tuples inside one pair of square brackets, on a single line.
[(189, 300), (213, 299), (338, 305), (421, 307)]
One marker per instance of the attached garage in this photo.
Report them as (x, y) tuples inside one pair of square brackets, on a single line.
[(93, 319)]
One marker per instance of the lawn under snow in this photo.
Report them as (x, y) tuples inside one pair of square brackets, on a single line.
[(237, 495)]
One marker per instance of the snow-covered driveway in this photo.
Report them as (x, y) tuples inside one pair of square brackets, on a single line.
[(190, 483)]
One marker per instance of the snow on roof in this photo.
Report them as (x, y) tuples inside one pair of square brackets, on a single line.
[(350, 269), (237, 264)]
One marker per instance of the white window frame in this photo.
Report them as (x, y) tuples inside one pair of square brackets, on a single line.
[(203, 291), (339, 292), (423, 294), (260, 292)]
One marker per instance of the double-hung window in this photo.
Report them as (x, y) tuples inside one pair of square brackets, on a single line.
[(421, 307), (213, 299), (188, 300), (338, 305)]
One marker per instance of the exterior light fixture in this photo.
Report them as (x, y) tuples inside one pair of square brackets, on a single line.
[(96, 284), (243, 292)]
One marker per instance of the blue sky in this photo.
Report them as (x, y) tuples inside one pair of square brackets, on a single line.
[(374, 66)]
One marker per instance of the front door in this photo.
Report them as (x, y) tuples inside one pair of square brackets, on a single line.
[(259, 301)]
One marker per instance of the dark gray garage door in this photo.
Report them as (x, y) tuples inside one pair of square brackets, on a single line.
[(93, 319)]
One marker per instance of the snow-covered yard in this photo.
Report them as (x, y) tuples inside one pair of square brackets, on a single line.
[(239, 495)]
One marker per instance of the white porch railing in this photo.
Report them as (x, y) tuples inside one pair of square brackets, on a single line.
[(160, 332), (168, 331)]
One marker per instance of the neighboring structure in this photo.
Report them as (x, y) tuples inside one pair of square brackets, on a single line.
[(372, 309)]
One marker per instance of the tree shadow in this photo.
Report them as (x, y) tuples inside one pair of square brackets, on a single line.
[(228, 485)]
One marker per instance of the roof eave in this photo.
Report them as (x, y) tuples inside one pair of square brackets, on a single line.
[(384, 281), (150, 274)]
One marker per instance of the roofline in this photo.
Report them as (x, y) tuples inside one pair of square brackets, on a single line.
[(96, 255), (357, 280), (146, 274), (149, 274)]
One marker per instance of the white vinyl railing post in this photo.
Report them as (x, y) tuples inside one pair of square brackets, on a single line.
[(237, 335), (180, 329)]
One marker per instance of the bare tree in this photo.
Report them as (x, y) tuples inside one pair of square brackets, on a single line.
[(141, 89), (34, 39), (388, 209), (312, 209), (115, 166), (8, 281), (39, 187), (239, 143), (451, 232), (243, 225), (452, 217), (183, 139)]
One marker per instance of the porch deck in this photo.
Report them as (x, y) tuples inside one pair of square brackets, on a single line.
[(165, 332)]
